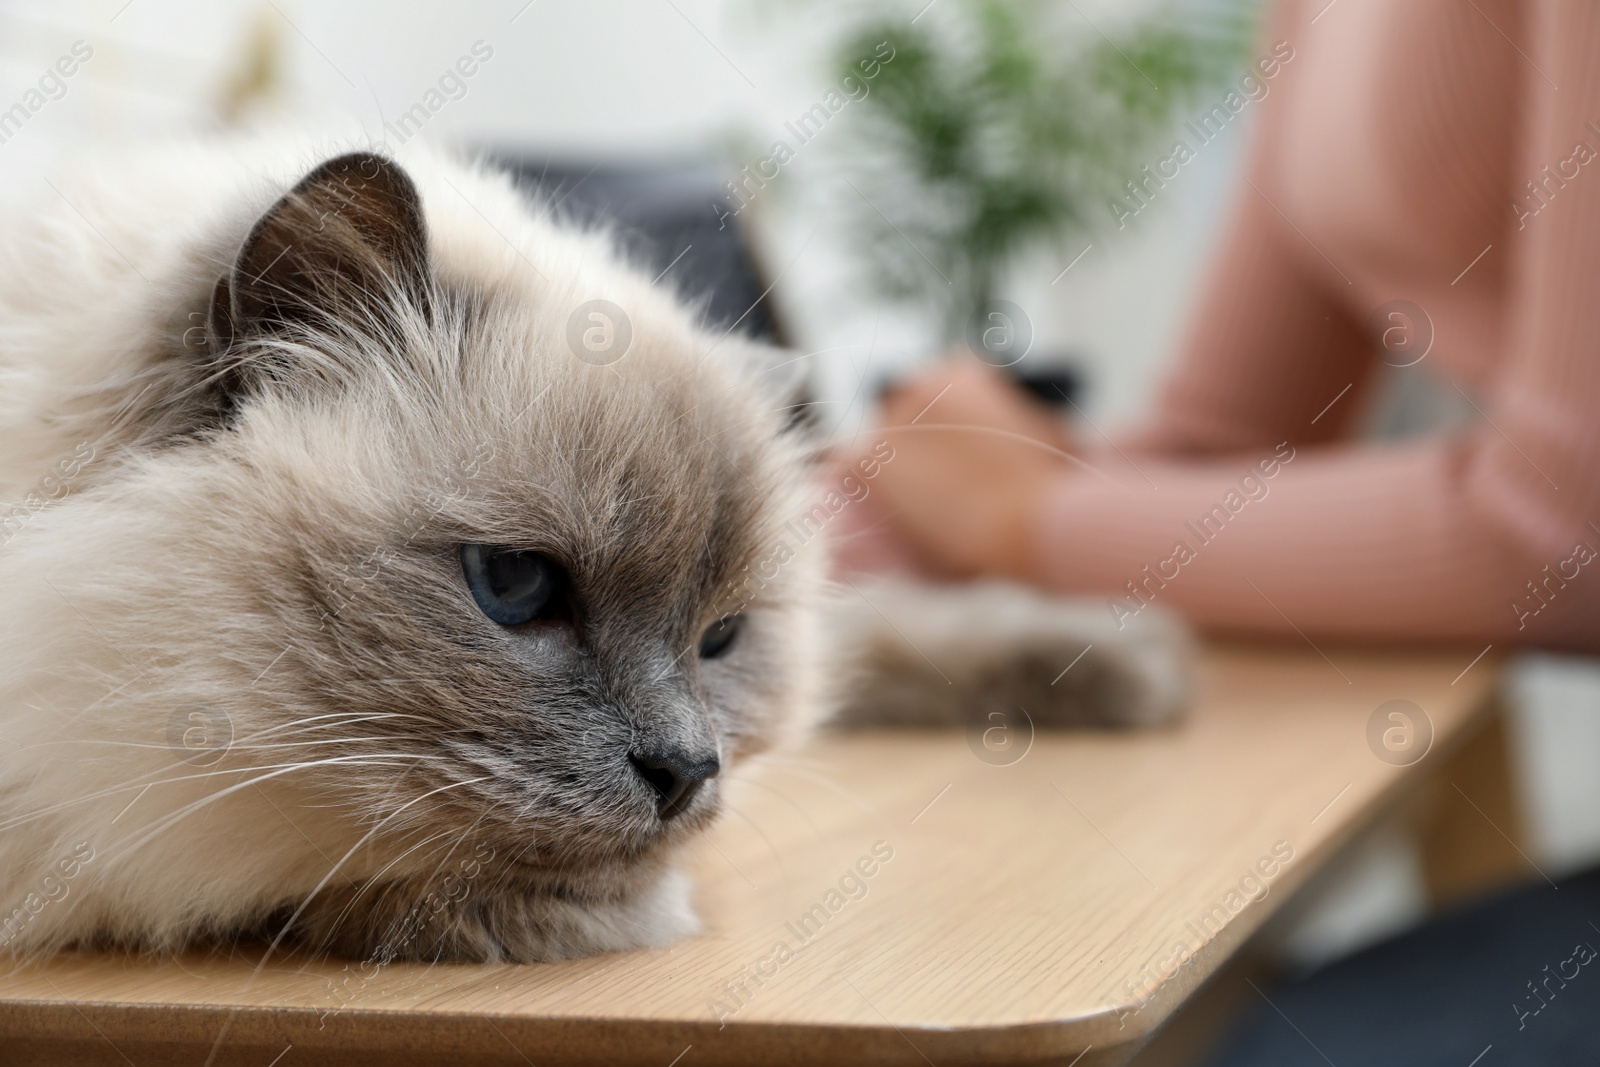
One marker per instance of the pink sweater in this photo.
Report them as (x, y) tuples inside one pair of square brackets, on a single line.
[(1442, 152)]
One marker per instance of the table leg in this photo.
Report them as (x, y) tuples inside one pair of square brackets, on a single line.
[(1472, 833)]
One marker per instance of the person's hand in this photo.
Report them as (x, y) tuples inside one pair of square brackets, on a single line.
[(973, 457)]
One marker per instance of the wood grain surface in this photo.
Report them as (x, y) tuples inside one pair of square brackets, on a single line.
[(884, 898)]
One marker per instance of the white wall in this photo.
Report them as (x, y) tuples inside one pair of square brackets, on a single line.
[(617, 80)]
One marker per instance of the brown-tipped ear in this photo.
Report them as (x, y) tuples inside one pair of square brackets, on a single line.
[(342, 246), (784, 378)]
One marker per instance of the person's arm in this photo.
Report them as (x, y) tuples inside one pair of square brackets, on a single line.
[(1269, 343), (1267, 353), (1472, 538)]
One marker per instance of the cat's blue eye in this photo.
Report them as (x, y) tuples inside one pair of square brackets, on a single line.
[(513, 586), (720, 635)]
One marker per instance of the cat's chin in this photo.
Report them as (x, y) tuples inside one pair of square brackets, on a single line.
[(539, 928)]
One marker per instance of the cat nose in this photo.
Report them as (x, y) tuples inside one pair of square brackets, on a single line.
[(676, 776)]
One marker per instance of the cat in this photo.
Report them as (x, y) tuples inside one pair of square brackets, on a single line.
[(378, 577)]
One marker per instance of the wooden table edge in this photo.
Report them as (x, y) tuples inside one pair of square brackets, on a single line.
[(490, 1033)]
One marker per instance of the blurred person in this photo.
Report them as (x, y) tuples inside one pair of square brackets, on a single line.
[(1445, 153), (1438, 152)]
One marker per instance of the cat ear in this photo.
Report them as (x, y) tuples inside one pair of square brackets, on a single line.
[(784, 377), (800, 412), (343, 247)]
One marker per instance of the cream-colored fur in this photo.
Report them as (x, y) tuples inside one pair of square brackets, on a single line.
[(150, 575), (242, 686)]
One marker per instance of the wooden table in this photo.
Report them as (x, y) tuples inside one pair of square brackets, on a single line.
[(1059, 906)]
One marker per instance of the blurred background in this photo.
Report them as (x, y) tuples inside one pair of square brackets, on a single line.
[(917, 190)]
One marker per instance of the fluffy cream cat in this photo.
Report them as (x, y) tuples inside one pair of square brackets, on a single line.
[(378, 570)]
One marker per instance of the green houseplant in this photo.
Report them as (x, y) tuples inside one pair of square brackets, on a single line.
[(1002, 125)]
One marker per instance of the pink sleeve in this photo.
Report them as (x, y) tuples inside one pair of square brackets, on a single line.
[(1487, 536), (1271, 345)]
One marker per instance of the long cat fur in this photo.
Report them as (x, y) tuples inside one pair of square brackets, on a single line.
[(245, 521)]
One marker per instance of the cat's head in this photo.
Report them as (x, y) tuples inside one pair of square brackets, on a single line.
[(487, 529)]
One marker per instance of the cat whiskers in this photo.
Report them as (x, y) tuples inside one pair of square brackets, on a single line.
[(374, 880), (782, 867), (145, 781), (800, 770), (167, 821), (757, 783), (288, 925)]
